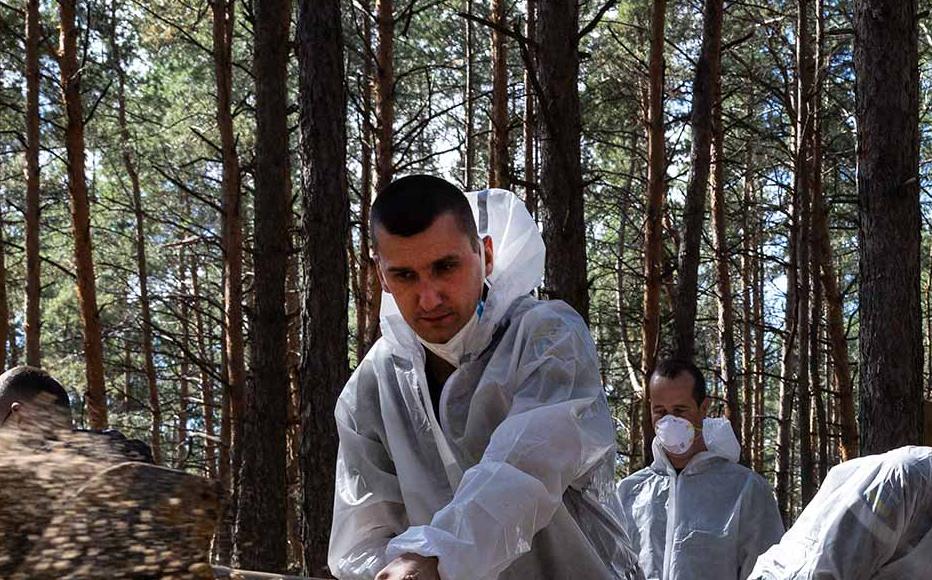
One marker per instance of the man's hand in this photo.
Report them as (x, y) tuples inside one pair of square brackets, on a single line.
[(410, 567)]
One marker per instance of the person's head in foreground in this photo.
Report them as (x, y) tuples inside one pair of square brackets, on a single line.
[(429, 255), (678, 405), (31, 400)]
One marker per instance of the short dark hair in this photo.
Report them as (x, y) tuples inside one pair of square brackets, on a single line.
[(25, 383), (408, 206), (671, 368)]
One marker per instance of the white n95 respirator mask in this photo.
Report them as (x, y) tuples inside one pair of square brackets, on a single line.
[(675, 434)]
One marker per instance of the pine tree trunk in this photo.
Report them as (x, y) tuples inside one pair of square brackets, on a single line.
[(498, 151), (653, 228), (726, 312), (469, 155), (261, 540), (803, 184), (232, 237), (815, 356), (184, 381), (207, 383), (33, 262), (561, 185), (886, 64), (4, 302), (96, 396), (366, 270), (759, 336), (747, 291), (325, 233), (708, 73), (530, 120), (789, 365)]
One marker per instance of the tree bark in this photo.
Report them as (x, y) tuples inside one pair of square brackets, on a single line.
[(887, 111), (4, 302), (206, 382), (803, 184), (653, 228), (561, 185), (96, 396), (469, 154), (747, 292), (325, 231), (261, 538), (33, 261), (708, 73), (232, 233), (498, 151), (530, 119), (365, 298), (789, 365), (726, 311)]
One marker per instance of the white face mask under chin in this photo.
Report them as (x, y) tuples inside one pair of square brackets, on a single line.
[(454, 349)]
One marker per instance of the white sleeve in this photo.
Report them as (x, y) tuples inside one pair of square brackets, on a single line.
[(368, 509), (558, 427)]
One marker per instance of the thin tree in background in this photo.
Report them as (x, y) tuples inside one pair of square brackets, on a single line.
[(142, 267), (561, 184), (95, 396), (261, 532), (325, 232), (4, 302), (367, 284), (726, 311), (804, 135), (708, 71), (498, 149), (886, 63), (469, 153), (232, 240), (33, 263), (384, 136), (530, 118), (653, 228)]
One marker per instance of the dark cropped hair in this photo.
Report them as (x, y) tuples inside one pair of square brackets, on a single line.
[(408, 206), (672, 367), (24, 383)]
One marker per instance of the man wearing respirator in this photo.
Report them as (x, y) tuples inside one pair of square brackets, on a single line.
[(695, 513)]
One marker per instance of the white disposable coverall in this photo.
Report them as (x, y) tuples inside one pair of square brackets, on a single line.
[(710, 521), (518, 483), (872, 518)]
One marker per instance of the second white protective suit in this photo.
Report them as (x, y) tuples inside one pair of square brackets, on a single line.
[(871, 519), (518, 482), (709, 521)]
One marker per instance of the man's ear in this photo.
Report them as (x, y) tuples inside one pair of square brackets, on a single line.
[(489, 255), (378, 269), (704, 407)]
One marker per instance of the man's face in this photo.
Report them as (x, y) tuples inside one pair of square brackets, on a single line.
[(675, 397), (434, 277)]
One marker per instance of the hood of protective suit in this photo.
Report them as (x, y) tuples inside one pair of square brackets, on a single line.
[(870, 520), (709, 521), (518, 268)]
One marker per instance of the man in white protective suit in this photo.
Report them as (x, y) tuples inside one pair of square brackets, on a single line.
[(475, 437), (695, 513), (871, 519)]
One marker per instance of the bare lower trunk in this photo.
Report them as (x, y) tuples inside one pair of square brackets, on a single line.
[(33, 262), (498, 151), (708, 74), (886, 64), (325, 233), (95, 396), (656, 193)]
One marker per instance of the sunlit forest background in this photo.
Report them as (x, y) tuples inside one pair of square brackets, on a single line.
[(184, 188)]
